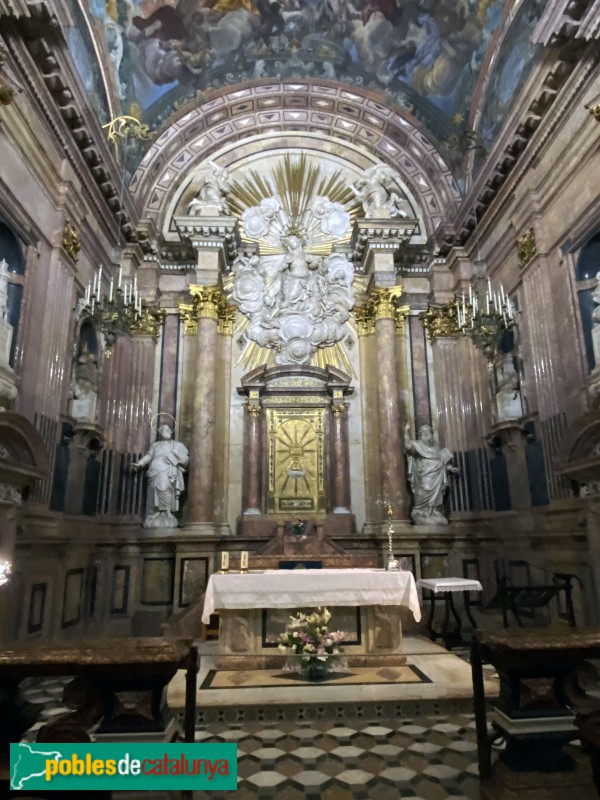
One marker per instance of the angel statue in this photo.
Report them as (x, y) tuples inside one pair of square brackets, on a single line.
[(379, 195), (215, 182), (166, 461)]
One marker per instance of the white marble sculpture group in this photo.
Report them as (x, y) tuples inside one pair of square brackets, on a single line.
[(295, 301)]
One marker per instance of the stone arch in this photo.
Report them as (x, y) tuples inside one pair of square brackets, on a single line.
[(327, 110), (23, 456)]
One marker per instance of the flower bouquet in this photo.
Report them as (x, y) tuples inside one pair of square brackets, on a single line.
[(317, 648)]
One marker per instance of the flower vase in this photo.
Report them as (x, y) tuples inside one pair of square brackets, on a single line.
[(315, 671)]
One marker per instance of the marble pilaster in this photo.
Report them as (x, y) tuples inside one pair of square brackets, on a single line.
[(253, 459), (340, 457), (388, 395)]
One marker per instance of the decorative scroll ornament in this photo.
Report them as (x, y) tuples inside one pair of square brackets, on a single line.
[(70, 240), (126, 127), (297, 298), (526, 247), (441, 321)]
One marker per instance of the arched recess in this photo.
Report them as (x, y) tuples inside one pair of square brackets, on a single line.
[(329, 111), (23, 457)]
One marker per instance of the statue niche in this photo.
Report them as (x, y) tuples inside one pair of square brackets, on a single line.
[(85, 377)]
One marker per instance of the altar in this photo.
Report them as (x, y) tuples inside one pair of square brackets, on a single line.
[(254, 608)]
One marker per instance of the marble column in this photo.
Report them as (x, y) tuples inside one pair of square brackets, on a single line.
[(340, 488), (202, 451), (253, 459), (390, 423)]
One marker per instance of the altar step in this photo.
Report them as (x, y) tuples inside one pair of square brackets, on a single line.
[(242, 697)]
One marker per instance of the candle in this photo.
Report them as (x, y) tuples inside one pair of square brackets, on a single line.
[(225, 561), (99, 281), (120, 276), (244, 561), (470, 295), (112, 282), (489, 291)]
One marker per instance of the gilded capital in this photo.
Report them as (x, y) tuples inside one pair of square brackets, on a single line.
[(526, 247), (208, 302), (205, 301), (365, 319), (70, 240), (402, 313), (150, 323), (190, 323), (337, 409), (385, 301), (253, 410), (441, 321)]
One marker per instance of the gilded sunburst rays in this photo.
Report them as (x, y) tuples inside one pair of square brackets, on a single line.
[(296, 180), (296, 449)]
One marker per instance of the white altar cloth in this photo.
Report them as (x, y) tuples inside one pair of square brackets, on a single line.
[(282, 588)]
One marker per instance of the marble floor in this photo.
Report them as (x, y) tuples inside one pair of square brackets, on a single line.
[(322, 742)]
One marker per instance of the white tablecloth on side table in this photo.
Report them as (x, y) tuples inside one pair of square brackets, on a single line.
[(281, 588), (438, 585)]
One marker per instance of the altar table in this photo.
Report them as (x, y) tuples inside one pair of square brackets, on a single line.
[(241, 598)]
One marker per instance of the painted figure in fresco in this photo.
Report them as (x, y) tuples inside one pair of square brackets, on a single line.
[(166, 461), (427, 473)]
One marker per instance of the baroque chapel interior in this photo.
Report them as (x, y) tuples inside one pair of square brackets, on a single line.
[(300, 316)]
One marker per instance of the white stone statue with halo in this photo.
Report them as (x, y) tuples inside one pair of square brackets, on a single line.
[(166, 461)]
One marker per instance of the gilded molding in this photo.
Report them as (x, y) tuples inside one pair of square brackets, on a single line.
[(253, 410), (441, 321), (526, 247), (150, 323), (71, 241)]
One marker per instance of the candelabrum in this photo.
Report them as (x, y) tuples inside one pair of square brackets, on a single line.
[(485, 316), (117, 313), (5, 571), (392, 563)]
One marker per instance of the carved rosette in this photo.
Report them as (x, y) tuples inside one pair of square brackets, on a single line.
[(441, 321)]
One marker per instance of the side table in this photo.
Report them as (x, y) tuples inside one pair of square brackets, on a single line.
[(447, 587)]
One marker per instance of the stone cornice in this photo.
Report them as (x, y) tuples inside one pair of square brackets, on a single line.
[(521, 143), (37, 46)]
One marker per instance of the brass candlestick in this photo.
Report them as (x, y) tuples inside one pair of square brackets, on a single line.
[(392, 563)]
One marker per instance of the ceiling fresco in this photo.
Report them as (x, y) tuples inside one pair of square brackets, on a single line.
[(422, 55)]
